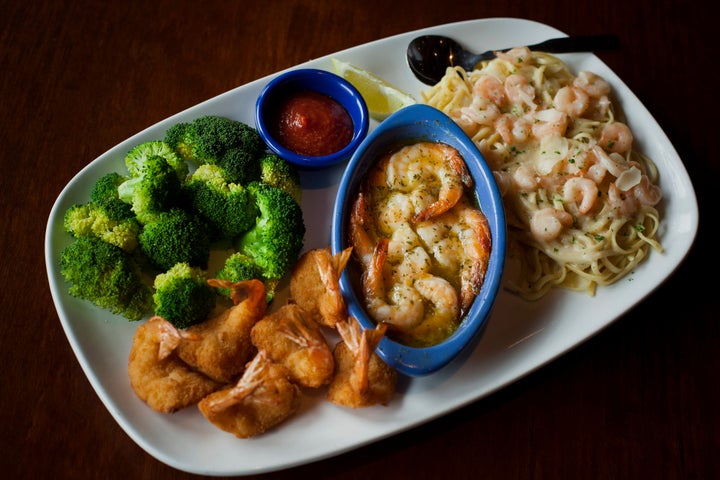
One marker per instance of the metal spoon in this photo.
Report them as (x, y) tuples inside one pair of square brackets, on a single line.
[(429, 55)]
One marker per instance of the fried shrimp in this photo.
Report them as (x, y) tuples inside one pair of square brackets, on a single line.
[(262, 398), (293, 339), (361, 379), (225, 346), (158, 377), (315, 284)]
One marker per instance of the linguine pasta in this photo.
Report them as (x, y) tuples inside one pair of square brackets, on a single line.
[(580, 201)]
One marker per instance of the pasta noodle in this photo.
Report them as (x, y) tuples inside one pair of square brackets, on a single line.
[(580, 201)]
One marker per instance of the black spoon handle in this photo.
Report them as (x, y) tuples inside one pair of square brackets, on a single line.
[(587, 43), (581, 43)]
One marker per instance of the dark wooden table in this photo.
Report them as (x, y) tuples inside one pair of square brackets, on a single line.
[(639, 400)]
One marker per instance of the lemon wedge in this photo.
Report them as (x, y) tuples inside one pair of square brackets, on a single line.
[(381, 97)]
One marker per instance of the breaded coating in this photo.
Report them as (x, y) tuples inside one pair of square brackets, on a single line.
[(225, 346), (292, 338), (315, 285), (306, 287), (262, 398), (157, 375), (361, 379)]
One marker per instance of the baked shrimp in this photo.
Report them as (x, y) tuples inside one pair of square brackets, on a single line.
[(429, 167)]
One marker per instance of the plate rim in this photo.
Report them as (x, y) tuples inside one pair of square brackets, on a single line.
[(373, 433)]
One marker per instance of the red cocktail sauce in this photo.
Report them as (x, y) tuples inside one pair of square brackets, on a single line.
[(313, 124)]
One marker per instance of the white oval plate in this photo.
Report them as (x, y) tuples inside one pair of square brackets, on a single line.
[(520, 336)]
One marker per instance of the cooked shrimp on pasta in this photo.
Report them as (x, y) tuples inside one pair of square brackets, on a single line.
[(581, 201)]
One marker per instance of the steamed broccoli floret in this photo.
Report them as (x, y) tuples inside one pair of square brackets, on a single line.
[(240, 166), (137, 157), (277, 237), (227, 207), (106, 186), (239, 267), (106, 276), (277, 172), (109, 219), (207, 138), (182, 295), (157, 190), (175, 236), (174, 136)]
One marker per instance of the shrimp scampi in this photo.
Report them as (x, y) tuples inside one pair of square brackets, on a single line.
[(548, 223), (361, 231), (429, 165), (582, 191), (441, 294), (402, 307), (567, 165), (473, 232), (422, 243), (616, 137)]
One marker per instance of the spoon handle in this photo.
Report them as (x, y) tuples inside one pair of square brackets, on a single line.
[(586, 43), (580, 43)]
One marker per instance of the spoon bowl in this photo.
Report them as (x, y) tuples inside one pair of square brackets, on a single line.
[(429, 56)]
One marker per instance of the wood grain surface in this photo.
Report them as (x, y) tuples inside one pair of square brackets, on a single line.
[(639, 400)]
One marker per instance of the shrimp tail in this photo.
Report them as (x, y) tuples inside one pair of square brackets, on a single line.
[(246, 385), (374, 336), (471, 288), (372, 277), (251, 291), (170, 337), (359, 235), (331, 303), (360, 370), (340, 259), (362, 342), (435, 209)]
